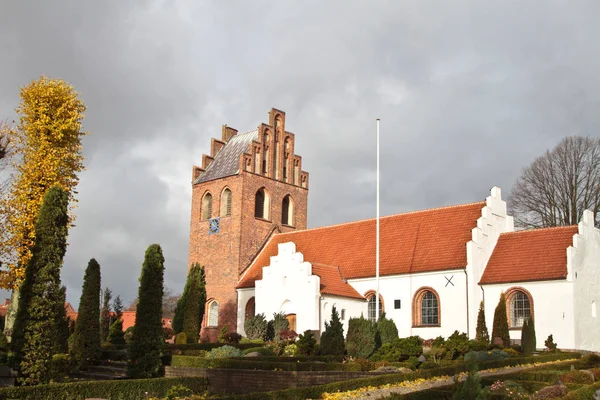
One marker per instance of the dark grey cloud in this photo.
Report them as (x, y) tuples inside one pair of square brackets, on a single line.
[(467, 94)]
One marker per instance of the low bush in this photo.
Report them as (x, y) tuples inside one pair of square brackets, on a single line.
[(194, 352), (478, 345), (245, 340), (577, 377), (511, 352), (486, 355), (551, 392), (596, 372), (181, 338), (591, 359), (204, 346), (178, 391), (263, 351), (224, 352), (456, 345), (60, 367), (291, 350), (307, 343), (261, 364), (550, 345), (233, 338), (585, 393), (129, 389), (399, 349)]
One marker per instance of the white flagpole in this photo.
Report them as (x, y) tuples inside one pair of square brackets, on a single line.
[(377, 236)]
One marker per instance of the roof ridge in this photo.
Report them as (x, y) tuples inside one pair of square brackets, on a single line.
[(384, 217), (535, 230)]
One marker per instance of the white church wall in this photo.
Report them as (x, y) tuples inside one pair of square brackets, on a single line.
[(494, 220), (345, 307), (243, 296), (552, 310), (583, 264), (288, 286), (452, 300)]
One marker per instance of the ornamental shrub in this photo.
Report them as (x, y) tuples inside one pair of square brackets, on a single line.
[(279, 323), (193, 312), (307, 343), (360, 340), (233, 338), (222, 333), (332, 338), (60, 367), (291, 350), (224, 352), (399, 350), (577, 377), (456, 345), (256, 327), (550, 345), (179, 391), (181, 338), (438, 342), (128, 334), (287, 335), (471, 388), (145, 351), (500, 329), (528, 337), (481, 332), (263, 351), (477, 345), (115, 333), (493, 355), (388, 332)]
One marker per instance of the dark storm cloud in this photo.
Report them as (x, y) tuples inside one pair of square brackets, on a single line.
[(468, 94)]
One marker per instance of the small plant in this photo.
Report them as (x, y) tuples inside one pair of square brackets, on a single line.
[(507, 390), (291, 350), (256, 327), (181, 338), (456, 345), (481, 331), (551, 392), (128, 335), (224, 352), (471, 387), (578, 377), (550, 345), (528, 343), (365, 365), (263, 351), (233, 338), (591, 359), (306, 343), (511, 352), (178, 391), (246, 340)]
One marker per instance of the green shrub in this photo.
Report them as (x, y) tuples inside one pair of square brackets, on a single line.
[(388, 332), (591, 359), (507, 390), (306, 343), (128, 335), (399, 349), (256, 327), (332, 339), (477, 345), (60, 367), (252, 341), (260, 364), (471, 387), (291, 350), (222, 333), (481, 331), (224, 352), (585, 393), (364, 364), (500, 329), (181, 338), (511, 352), (360, 340), (528, 337), (550, 345), (178, 391), (456, 345), (263, 351), (194, 352), (279, 323), (115, 333), (438, 342), (577, 377), (129, 389), (107, 346)]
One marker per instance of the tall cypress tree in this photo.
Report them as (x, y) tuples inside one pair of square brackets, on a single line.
[(62, 323), (500, 329), (332, 339), (86, 343), (146, 345), (481, 332), (194, 307), (34, 338), (179, 316), (105, 317)]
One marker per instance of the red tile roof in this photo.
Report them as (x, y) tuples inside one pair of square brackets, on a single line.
[(533, 255), (420, 241), (332, 281)]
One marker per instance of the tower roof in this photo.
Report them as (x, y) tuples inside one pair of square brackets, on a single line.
[(227, 160)]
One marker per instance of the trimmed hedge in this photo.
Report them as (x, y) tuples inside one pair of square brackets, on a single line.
[(337, 359), (316, 391), (126, 389), (585, 393), (250, 363), (205, 346)]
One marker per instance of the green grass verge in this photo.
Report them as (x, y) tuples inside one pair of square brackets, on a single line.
[(126, 389)]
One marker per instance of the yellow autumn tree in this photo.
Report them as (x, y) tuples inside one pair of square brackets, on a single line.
[(46, 147)]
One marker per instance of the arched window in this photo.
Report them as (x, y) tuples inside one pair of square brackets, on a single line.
[(261, 204), (226, 203), (520, 306), (426, 308), (287, 211), (372, 306), (213, 313), (250, 308), (207, 206)]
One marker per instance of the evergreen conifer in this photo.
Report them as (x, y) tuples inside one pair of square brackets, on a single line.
[(86, 340), (118, 307), (361, 340), (194, 306), (34, 339), (481, 332), (62, 323), (332, 339), (388, 332), (116, 334), (528, 341), (105, 317), (146, 343), (500, 329)]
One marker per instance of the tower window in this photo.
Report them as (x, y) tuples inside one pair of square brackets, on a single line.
[(226, 203), (206, 206), (261, 204), (287, 211)]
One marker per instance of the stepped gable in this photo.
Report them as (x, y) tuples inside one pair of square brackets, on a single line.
[(227, 160), (420, 241), (532, 255)]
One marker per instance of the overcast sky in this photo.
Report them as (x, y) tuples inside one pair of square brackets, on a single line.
[(468, 92)]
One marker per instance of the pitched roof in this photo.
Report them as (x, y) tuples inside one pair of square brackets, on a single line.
[(227, 160), (420, 241), (533, 255), (332, 281)]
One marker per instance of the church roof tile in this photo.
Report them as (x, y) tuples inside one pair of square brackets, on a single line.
[(532, 255), (333, 282), (420, 241)]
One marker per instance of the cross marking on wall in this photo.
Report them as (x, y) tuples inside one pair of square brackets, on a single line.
[(449, 281)]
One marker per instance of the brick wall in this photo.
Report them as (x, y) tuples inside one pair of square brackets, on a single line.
[(240, 381)]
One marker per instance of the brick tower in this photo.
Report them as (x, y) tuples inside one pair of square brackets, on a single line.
[(250, 186)]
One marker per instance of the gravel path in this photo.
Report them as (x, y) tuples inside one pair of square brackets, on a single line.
[(385, 392)]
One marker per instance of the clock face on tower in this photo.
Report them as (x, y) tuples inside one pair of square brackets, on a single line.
[(214, 226)]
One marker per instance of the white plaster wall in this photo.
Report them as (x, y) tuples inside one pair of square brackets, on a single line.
[(453, 302), (289, 286), (243, 296), (353, 307), (583, 263), (552, 308), (493, 221)]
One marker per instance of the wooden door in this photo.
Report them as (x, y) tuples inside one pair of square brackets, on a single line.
[(292, 320)]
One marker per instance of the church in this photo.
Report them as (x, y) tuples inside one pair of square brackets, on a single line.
[(248, 228)]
